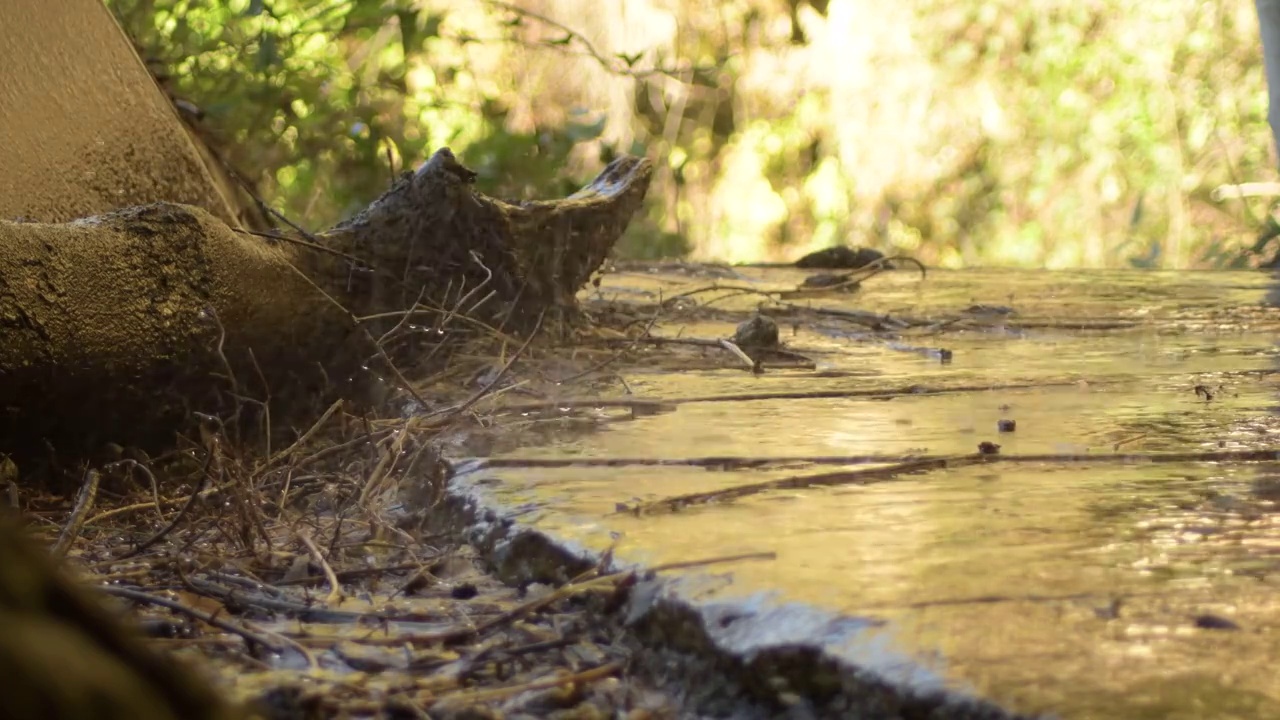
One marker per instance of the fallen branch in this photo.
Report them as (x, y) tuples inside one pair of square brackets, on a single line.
[(927, 464), (799, 482), (195, 305), (144, 598), (334, 598)]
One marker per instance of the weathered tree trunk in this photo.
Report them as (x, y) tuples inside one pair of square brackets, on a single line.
[(1269, 27), (117, 328), (85, 129)]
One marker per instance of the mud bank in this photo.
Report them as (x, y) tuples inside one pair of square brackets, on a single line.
[(750, 657)]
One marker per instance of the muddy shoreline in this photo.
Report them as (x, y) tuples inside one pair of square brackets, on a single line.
[(402, 566), (722, 659)]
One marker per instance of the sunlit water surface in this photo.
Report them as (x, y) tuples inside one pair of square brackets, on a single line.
[(1068, 587)]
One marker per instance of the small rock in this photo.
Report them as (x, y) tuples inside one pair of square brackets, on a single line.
[(1111, 611), (986, 447), (839, 257), (1005, 425), (1214, 622), (166, 629), (759, 332), (1267, 488)]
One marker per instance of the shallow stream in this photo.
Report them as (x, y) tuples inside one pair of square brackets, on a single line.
[(1083, 584)]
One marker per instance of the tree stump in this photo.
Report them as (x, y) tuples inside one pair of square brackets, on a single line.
[(120, 328)]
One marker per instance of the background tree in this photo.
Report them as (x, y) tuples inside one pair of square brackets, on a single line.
[(1045, 133)]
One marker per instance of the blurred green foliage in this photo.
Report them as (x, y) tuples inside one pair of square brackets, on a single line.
[(311, 100), (1047, 133), (1123, 116)]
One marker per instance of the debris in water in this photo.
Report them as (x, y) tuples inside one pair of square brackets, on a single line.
[(759, 332), (843, 281), (465, 591), (989, 310), (839, 257), (1111, 611), (1214, 622)]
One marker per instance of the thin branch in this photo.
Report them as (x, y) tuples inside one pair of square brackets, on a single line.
[(355, 321), (616, 356), (139, 596), (84, 503), (797, 482), (201, 483), (306, 437), (450, 413), (737, 352), (571, 35), (334, 597)]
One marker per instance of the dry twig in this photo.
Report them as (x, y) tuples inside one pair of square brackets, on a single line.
[(84, 503)]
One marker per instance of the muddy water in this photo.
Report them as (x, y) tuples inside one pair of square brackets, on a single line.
[(1069, 586)]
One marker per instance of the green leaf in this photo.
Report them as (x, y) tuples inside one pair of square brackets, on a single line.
[(630, 60)]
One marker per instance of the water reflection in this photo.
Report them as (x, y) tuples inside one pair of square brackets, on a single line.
[(1070, 587)]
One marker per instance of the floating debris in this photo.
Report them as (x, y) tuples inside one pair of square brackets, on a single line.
[(839, 257), (1214, 622), (996, 310), (986, 447), (759, 332)]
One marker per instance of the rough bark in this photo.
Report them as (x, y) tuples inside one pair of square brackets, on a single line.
[(85, 129), (118, 328), (1269, 27), (539, 253)]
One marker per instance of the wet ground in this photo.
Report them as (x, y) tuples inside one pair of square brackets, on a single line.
[(1122, 562)]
